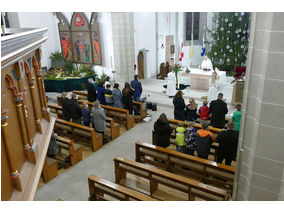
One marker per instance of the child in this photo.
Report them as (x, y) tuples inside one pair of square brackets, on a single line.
[(204, 111), (237, 117), (189, 139), (180, 137), (108, 95), (86, 115), (190, 111)]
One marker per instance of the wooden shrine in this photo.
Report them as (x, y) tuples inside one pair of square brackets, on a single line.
[(26, 125)]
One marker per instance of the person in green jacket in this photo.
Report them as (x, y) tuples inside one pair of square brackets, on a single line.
[(237, 117), (180, 137)]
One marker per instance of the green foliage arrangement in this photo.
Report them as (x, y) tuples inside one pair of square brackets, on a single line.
[(56, 56), (69, 66), (102, 78), (228, 40)]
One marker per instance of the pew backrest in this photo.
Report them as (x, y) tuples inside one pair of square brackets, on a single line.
[(79, 130), (98, 187), (184, 164), (157, 176)]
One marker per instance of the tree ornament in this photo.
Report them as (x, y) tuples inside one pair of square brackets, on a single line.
[(228, 60), (244, 32), (236, 14), (215, 53), (231, 50), (222, 29), (224, 55), (240, 19), (226, 20), (230, 24), (242, 46), (227, 46)]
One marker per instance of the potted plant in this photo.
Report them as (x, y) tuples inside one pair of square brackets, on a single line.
[(57, 59), (176, 69)]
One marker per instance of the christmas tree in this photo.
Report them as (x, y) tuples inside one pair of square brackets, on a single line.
[(228, 40)]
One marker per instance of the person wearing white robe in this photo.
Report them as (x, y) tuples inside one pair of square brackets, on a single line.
[(171, 87), (213, 88), (207, 64)]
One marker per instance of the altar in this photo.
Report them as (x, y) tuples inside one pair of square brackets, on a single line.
[(199, 79)]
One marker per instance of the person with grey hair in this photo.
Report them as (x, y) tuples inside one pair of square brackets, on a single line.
[(228, 144), (99, 119)]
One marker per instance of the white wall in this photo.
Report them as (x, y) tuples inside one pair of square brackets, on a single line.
[(144, 38), (40, 20)]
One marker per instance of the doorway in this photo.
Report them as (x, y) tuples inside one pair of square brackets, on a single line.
[(141, 65)]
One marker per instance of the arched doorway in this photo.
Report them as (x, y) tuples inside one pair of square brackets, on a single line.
[(141, 64)]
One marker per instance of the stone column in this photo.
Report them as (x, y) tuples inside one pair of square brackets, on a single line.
[(260, 166), (123, 46)]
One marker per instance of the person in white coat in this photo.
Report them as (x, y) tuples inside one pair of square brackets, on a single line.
[(171, 87), (206, 64), (213, 87)]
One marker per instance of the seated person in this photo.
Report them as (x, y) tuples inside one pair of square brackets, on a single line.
[(204, 140), (206, 64), (52, 150), (228, 144), (108, 95), (180, 137)]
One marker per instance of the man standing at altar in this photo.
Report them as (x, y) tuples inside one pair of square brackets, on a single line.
[(206, 64), (171, 86)]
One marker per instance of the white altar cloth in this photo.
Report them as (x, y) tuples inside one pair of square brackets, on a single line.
[(199, 79)]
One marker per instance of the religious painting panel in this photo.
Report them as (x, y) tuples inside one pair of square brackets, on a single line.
[(81, 41), (95, 37), (65, 36), (82, 47)]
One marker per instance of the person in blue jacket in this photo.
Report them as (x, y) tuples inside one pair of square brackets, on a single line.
[(101, 93), (135, 84)]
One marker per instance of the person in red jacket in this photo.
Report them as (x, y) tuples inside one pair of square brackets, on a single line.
[(204, 111)]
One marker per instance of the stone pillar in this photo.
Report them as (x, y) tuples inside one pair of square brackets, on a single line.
[(260, 166), (123, 46)]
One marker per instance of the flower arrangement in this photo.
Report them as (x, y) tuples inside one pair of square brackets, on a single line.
[(239, 73)]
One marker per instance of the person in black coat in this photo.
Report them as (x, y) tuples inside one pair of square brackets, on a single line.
[(92, 94), (127, 97), (65, 102), (218, 110), (76, 112), (228, 144), (179, 106), (163, 131)]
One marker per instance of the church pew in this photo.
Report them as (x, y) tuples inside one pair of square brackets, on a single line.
[(79, 133), (143, 111), (114, 112), (157, 176), (213, 149), (49, 169), (114, 127), (75, 151), (174, 124), (200, 169), (227, 119), (99, 187)]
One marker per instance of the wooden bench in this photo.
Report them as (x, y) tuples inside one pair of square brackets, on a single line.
[(79, 133), (49, 170), (99, 188), (174, 124), (157, 176), (200, 169), (138, 105), (74, 151), (114, 112), (227, 119), (114, 127)]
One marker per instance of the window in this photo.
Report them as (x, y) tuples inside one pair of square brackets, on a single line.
[(196, 18), (194, 23)]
